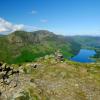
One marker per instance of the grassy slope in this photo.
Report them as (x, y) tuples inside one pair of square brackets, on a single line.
[(54, 81)]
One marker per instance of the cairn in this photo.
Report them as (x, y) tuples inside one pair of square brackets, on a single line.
[(59, 56)]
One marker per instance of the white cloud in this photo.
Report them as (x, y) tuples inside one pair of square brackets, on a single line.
[(34, 12), (2, 30), (44, 20), (7, 27)]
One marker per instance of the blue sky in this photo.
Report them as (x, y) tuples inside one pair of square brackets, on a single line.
[(67, 17)]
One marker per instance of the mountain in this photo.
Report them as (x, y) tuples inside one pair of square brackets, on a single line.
[(88, 41), (21, 46), (46, 78), (1, 35)]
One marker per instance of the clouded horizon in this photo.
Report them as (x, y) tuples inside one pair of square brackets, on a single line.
[(65, 17)]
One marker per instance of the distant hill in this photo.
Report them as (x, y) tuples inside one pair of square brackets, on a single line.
[(21, 46), (88, 41), (1, 35)]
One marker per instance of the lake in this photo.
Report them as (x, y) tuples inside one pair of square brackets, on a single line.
[(84, 56)]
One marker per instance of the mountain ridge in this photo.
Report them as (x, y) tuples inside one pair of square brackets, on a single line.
[(22, 46)]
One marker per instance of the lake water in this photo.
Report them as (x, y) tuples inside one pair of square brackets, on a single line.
[(84, 56)]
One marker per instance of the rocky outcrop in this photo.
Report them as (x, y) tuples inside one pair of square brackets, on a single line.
[(8, 74), (48, 79), (59, 56)]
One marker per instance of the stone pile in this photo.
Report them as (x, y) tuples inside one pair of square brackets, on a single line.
[(59, 56)]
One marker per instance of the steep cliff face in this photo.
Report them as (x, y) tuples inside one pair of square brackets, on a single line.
[(21, 46)]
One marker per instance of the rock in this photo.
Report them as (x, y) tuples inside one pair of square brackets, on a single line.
[(10, 73), (32, 80), (46, 57), (18, 96), (11, 67), (59, 56), (21, 96), (76, 85), (2, 74), (21, 69), (7, 81), (4, 66), (34, 65)]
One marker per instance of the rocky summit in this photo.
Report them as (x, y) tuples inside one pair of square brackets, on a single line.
[(51, 79)]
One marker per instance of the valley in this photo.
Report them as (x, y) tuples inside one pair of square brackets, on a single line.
[(41, 65), (84, 56), (21, 46), (49, 50), (91, 43)]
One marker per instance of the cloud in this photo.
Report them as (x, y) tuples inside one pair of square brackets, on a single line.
[(2, 30), (44, 20), (7, 27), (34, 12)]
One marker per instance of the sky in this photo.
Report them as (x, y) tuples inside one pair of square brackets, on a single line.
[(65, 17)]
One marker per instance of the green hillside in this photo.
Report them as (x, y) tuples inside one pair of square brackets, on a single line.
[(21, 46)]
